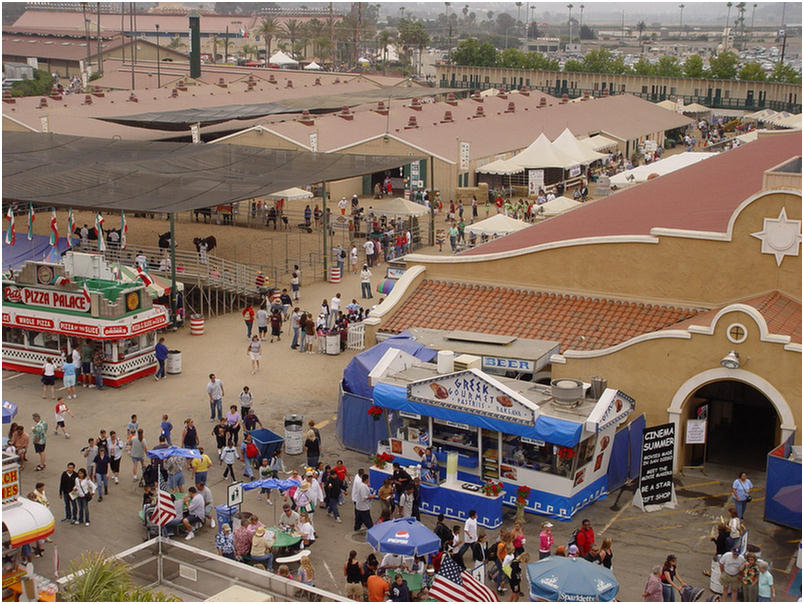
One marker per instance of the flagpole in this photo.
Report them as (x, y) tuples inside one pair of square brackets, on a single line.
[(159, 538)]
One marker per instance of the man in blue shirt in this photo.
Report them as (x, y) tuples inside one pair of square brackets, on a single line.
[(161, 353)]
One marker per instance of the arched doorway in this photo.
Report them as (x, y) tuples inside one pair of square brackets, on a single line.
[(742, 425)]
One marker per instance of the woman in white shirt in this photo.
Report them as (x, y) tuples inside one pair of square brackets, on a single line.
[(353, 260), (49, 379), (306, 529), (84, 489)]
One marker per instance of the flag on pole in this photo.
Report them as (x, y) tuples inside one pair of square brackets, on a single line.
[(165, 511), (85, 291), (143, 274), (31, 218), (123, 230), (61, 281), (54, 229), (99, 232), (11, 235), (452, 585), (70, 227)]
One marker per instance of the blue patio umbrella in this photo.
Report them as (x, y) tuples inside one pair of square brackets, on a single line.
[(173, 452), (9, 411), (405, 536), (557, 579), (271, 483)]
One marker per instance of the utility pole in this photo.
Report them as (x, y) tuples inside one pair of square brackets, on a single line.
[(784, 44), (753, 12), (158, 63), (580, 28), (100, 46), (357, 36), (569, 22), (131, 28), (622, 25), (681, 17), (86, 34)]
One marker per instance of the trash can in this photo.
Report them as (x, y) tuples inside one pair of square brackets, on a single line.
[(224, 514), (196, 325), (173, 363), (334, 343), (334, 275), (294, 442)]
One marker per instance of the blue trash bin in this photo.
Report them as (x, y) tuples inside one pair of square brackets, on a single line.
[(224, 514)]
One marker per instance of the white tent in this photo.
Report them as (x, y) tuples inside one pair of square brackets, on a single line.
[(748, 137), (539, 154), (290, 194), (363, 60), (572, 147), (313, 66), (557, 206), (598, 142), (761, 115), (661, 167), (786, 120), (499, 166), (280, 58), (499, 224), (398, 208)]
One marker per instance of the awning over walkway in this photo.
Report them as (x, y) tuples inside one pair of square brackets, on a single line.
[(81, 172), (27, 521)]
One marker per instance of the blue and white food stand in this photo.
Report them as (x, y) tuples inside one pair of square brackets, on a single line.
[(502, 429)]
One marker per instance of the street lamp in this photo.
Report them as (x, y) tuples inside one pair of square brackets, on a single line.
[(569, 22), (158, 72), (681, 17)]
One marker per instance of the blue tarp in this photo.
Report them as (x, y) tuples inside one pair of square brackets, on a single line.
[(783, 488), (354, 427), (38, 248), (548, 429), (355, 376)]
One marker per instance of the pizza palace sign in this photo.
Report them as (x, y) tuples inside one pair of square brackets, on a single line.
[(46, 298)]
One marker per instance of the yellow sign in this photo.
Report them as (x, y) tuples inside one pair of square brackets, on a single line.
[(11, 484), (132, 301)]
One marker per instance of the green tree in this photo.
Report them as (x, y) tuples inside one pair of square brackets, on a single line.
[(268, 28), (250, 50), (96, 578), (215, 41), (669, 66), (413, 35), (293, 30), (472, 52), (724, 65), (752, 71), (176, 43), (602, 61), (40, 85), (512, 57), (384, 38), (785, 73), (587, 33), (314, 30), (644, 67), (573, 65), (693, 67), (536, 60)]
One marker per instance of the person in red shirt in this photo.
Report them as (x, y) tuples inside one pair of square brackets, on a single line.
[(585, 537), (248, 317), (343, 476)]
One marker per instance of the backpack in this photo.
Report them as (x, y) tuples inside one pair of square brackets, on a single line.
[(491, 551), (573, 538), (252, 450)]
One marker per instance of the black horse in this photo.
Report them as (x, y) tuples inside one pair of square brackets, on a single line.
[(164, 241), (210, 241), (205, 212)]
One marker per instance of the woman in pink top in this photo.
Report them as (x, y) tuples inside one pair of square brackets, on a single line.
[(545, 540), (518, 538), (653, 588)]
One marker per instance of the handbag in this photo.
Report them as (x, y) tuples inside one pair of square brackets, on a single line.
[(748, 498)]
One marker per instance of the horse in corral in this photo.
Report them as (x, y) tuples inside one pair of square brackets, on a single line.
[(210, 241), (164, 241)]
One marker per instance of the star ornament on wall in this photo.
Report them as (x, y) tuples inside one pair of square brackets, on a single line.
[(780, 236)]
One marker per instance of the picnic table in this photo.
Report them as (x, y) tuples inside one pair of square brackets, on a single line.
[(283, 539)]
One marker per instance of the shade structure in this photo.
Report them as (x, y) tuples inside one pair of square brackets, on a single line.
[(405, 536), (559, 579), (598, 142), (557, 206), (661, 167), (539, 154), (572, 147), (174, 452), (761, 115), (695, 108), (159, 287), (499, 224), (398, 208), (313, 67), (27, 521), (500, 166), (290, 194), (667, 104), (9, 411), (280, 58), (147, 176)]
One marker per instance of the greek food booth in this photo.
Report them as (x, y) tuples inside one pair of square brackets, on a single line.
[(554, 439), (50, 308)]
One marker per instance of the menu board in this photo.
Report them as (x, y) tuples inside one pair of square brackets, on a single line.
[(656, 475)]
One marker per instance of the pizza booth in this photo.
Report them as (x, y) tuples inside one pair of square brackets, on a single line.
[(24, 522), (555, 439), (51, 308)]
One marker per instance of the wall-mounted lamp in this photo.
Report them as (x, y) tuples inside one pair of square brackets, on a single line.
[(731, 361)]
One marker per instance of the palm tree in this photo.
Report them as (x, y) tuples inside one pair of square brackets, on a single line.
[(728, 12), (641, 28), (96, 578), (384, 38), (250, 50), (176, 43), (268, 28), (681, 17), (314, 30), (293, 29), (215, 39)]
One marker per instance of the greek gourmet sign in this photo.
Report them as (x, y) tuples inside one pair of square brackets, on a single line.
[(656, 475), (473, 392), (46, 298)]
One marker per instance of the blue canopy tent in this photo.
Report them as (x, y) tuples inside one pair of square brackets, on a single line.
[(559, 579), (9, 411), (405, 536), (355, 428), (173, 452), (38, 248)]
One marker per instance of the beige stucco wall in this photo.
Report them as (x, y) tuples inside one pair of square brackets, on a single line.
[(653, 371), (14, 126), (695, 272)]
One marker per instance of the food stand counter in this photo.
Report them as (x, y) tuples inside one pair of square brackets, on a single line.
[(515, 432)]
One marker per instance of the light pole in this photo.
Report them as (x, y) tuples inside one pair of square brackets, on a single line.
[(158, 66), (569, 22), (580, 27), (532, 17), (753, 12), (449, 23), (681, 18)]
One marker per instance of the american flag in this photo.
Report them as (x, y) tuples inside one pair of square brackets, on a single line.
[(452, 585), (165, 511)]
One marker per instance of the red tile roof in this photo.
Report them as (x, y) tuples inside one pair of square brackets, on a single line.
[(702, 197), (577, 322), (782, 314)]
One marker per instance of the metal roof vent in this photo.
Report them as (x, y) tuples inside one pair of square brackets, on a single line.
[(182, 86), (415, 104), (411, 123), (476, 97), (451, 99), (222, 83), (174, 94), (524, 91), (43, 102), (381, 108), (271, 79), (133, 98), (87, 99), (346, 114), (511, 107), (564, 98), (7, 98), (289, 84), (502, 95), (447, 117), (543, 102), (317, 82), (306, 118), (479, 112), (567, 392)]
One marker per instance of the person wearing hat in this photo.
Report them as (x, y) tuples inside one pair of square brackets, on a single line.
[(302, 497), (224, 542), (732, 565), (261, 546), (545, 540), (573, 551)]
